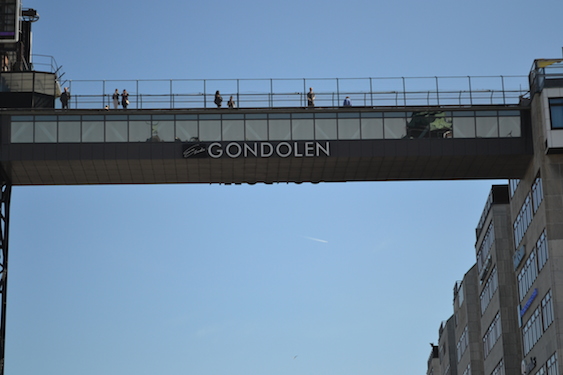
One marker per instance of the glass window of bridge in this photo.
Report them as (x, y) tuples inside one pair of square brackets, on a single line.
[(46, 129), (22, 129), (210, 128), (348, 126), (186, 127), (556, 112), (463, 124), (395, 125), (509, 124), (139, 128), (93, 128), (486, 123), (116, 128), (162, 128), (325, 126), (372, 125), (279, 127), (233, 127), (69, 129), (256, 127), (302, 126)]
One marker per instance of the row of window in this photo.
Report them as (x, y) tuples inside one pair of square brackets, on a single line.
[(535, 263), (499, 369), (264, 126), (462, 344), (528, 210), (538, 323), (485, 248), (492, 335), (550, 367), (489, 290)]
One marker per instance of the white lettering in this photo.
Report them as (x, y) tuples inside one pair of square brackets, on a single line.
[(228, 149), (309, 149), (213, 154), (253, 151), (263, 152), (326, 149), (278, 149), (297, 154)]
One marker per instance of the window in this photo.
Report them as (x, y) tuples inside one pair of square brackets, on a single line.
[(523, 220), (537, 193), (491, 337), (532, 331), (527, 275), (551, 365), (541, 248), (513, 184), (499, 369), (462, 344), (485, 247), (547, 310), (556, 112), (489, 290)]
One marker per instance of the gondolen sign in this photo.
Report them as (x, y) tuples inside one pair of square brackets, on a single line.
[(235, 150)]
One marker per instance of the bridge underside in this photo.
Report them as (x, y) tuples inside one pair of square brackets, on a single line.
[(357, 160)]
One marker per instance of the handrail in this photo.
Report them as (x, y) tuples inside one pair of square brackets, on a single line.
[(330, 92)]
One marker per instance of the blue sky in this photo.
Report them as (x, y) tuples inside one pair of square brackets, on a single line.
[(343, 278)]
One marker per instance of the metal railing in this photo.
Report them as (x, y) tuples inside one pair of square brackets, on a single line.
[(275, 93)]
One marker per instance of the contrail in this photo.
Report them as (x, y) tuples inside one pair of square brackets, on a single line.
[(315, 239)]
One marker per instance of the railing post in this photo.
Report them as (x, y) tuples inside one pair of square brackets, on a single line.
[(303, 101), (137, 90), (437, 92), (204, 93), (503, 92), (371, 91), (404, 92), (238, 91), (337, 92), (171, 96), (104, 94), (470, 92), (271, 101)]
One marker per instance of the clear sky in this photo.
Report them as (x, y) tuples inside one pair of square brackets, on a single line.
[(327, 279)]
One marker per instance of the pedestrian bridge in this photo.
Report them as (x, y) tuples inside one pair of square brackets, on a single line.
[(267, 145)]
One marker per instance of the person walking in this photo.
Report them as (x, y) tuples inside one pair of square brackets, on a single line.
[(124, 99), (218, 99), (231, 103), (115, 98), (347, 102)]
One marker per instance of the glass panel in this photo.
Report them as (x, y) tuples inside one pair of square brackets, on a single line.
[(372, 128), (162, 131), (487, 127), (139, 131), (395, 128), (464, 127), (348, 128), (22, 132), (509, 126), (92, 131), (46, 132), (116, 131), (556, 112), (325, 129), (186, 130), (302, 129), (210, 131), (279, 130), (69, 131), (233, 130), (257, 130)]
